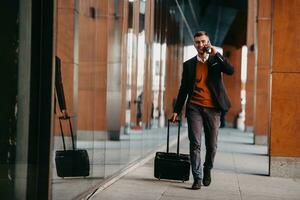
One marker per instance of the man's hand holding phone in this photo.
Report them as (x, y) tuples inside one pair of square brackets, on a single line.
[(211, 49)]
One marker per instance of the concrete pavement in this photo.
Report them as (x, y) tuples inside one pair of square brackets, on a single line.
[(240, 172)]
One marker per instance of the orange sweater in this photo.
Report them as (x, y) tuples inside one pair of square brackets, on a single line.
[(202, 95)]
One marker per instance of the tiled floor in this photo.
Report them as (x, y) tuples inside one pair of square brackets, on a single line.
[(240, 173), (108, 158)]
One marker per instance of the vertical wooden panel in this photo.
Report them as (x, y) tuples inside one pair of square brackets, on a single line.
[(65, 51), (92, 66), (251, 44), (285, 124), (148, 108), (249, 119), (286, 37), (136, 9), (264, 8), (124, 64), (285, 108), (262, 90), (170, 79)]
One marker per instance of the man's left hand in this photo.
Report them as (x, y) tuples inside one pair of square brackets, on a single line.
[(65, 114)]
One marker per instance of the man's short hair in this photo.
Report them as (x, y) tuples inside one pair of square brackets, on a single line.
[(200, 33)]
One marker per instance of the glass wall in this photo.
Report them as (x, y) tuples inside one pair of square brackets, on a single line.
[(119, 68), (9, 37), (118, 64), (115, 59)]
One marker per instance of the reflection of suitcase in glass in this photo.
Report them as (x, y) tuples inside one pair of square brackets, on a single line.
[(172, 166), (70, 163)]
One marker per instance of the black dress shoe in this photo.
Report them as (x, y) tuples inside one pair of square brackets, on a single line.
[(206, 177), (197, 184)]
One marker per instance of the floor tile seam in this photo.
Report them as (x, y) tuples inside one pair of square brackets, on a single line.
[(189, 197), (236, 175), (271, 195), (163, 194)]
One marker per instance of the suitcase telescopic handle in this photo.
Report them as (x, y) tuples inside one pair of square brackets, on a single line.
[(62, 131), (178, 136)]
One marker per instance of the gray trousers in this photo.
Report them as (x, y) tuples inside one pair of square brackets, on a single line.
[(199, 117)]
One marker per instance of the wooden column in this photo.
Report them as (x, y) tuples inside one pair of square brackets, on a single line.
[(124, 71), (285, 120), (148, 97), (262, 89), (134, 67), (233, 83), (92, 77), (251, 60), (173, 76), (100, 67), (113, 68), (170, 69), (64, 46)]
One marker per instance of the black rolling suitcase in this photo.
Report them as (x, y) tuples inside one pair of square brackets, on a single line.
[(71, 163), (174, 166)]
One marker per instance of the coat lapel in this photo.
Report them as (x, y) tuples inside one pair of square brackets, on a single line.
[(210, 61), (193, 68)]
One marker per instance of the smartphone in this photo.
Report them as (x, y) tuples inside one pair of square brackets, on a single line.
[(207, 49)]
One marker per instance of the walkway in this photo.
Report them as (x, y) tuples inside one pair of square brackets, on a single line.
[(240, 173)]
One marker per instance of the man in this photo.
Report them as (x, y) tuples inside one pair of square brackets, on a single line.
[(202, 84), (60, 89)]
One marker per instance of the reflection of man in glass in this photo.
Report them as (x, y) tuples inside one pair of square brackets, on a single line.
[(139, 113), (202, 84), (59, 88)]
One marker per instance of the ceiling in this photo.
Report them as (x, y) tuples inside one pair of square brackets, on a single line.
[(224, 20)]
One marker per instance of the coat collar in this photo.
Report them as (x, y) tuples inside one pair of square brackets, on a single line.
[(200, 59), (209, 61)]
